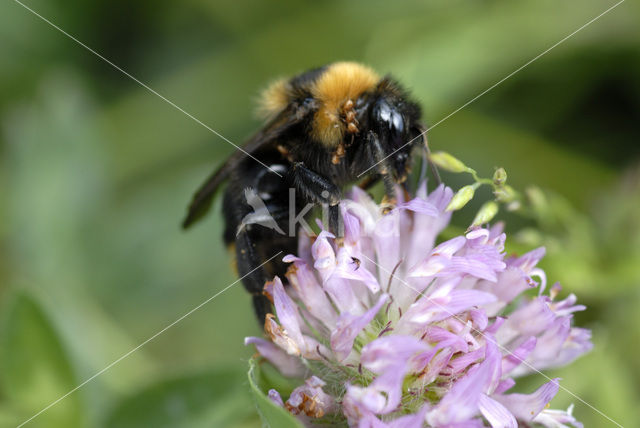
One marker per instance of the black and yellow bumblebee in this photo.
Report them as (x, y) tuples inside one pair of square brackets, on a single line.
[(324, 128)]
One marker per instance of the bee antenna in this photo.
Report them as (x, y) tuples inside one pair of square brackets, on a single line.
[(427, 153)]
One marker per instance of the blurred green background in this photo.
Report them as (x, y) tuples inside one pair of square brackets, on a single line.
[(96, 172)]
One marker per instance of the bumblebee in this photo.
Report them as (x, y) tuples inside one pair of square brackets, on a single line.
[(324, 128)]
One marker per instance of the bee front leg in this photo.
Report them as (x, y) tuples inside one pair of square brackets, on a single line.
[(377, 154), (318, 189)]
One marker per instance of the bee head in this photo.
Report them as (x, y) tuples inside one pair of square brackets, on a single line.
[(393, 121)]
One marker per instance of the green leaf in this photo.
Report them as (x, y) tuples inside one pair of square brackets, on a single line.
[(210, 399), (35, 368), (272, 414)]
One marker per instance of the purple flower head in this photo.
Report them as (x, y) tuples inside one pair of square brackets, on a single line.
[(387, 329)]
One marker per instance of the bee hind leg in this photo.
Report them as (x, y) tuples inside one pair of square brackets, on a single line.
[(252, 273)]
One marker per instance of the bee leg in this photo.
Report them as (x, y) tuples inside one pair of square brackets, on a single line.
[(376, 152), (253, 279), (369, 182), (319, 189)]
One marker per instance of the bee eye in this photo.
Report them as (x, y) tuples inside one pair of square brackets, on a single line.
[(397, 123), (386, 116)]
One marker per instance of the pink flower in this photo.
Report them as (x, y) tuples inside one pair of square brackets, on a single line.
[(392, 330)]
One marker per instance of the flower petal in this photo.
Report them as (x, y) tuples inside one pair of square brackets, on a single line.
[(348, 328), (286, 364), (275, 397), (388, 357), (310, 399), (302, 279), (527, 406), (497, 415)]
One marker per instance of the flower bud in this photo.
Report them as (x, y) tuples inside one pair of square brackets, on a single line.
[(500, 177), (462, 196), (505, 194), (447, 162), (487, 212)]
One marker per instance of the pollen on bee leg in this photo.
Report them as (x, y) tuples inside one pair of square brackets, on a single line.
[(350, 116), (338, 154), (387, 204)]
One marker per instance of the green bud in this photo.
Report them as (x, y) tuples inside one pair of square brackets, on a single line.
[(505, 194), (500, 177), (447, 162), (487, 212), (530, 237), (513, 206), (536, 197), (462, 196)]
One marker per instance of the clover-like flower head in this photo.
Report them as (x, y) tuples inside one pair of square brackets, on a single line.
[(391, 330)]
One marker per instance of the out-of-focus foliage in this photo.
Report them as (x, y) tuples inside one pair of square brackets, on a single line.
[(96, 171)]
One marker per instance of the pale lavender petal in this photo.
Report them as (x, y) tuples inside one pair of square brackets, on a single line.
[(525, 407), (342, 295), (450, 247), (310, 400), (287, 313), (389, 351), (559, 346), (304, 282), (567, 306), (518, 355), (323, 255), (415, 420), (286, 364), (504, 385), (349, 267), (421, 206), (527, 261), (510, 283), (462, 362), (441, 197), (425, 228), (348, 328), (492, 363), (431, 266), (497, 415), (361, 400), (279, 336), (275, 397), (387, 357), (493, 328), (557, 418), (461, 402), (386, 239), (429, 309), (478, 266), (529, 320), (351, 226), (479, 318)]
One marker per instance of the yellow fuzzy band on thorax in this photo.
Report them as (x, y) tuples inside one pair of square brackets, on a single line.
[(274, 99), (342, 81)]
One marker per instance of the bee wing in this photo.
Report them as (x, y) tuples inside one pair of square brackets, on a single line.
[(201, 202)]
